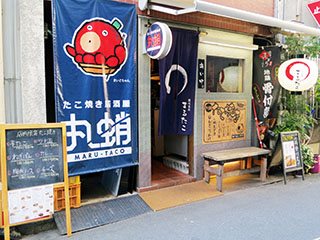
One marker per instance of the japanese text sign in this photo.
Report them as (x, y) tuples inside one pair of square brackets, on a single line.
[(158, 40), (95, 82), (298, 74), (223, 121), (266, 87)]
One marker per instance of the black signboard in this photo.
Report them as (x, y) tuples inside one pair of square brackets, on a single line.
[(201, 73), (34, 157), (291, 153)]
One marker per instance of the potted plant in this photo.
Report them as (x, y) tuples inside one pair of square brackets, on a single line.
[(297, 117), (297, 113)]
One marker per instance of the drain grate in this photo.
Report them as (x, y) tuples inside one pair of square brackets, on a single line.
[(98, 214)]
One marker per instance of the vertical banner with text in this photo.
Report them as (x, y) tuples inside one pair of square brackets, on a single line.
[(178, 82), (266, 87), (95, 82)]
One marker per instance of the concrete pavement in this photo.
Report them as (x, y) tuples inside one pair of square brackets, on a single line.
[(274, 211)]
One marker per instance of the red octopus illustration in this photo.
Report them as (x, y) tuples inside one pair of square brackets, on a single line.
[(98, 47)]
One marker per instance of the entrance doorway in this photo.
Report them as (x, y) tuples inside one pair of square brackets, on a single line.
[(170, 163)]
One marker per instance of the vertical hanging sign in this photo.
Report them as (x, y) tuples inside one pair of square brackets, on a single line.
[(266, 87), (95, 82), (201, 73)]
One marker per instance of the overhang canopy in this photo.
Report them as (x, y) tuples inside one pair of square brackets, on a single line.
[(189, 6)]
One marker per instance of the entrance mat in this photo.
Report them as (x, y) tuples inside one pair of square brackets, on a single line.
[(178, 195), (97, 214)]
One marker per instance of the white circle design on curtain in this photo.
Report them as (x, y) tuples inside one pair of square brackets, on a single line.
[(176, 67)]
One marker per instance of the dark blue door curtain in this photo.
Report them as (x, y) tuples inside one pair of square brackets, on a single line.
[(178, 80)]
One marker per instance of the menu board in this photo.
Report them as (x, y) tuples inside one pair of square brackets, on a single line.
[(223, 121), (34, 157), (291, 153), (30, 203)]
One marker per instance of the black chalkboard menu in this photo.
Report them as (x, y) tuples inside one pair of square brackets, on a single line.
[(291, 152), (34, 157)]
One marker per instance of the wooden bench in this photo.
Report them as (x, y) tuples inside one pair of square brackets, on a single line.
[(214, 163)]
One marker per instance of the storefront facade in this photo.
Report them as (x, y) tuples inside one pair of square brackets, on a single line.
[(220, 39)]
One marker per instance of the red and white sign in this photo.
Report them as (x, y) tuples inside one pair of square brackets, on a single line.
[(314, 9), (158, 40), (298, 74)]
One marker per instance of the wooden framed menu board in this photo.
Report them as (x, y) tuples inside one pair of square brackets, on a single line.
[(291, 153), (33, 159)]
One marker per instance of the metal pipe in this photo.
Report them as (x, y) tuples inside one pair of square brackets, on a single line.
[(298, 10), (276, 8), (11, 55), (2, 104)]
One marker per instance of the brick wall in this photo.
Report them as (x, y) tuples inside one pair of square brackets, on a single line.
[(264, 7), (259, 6), (214, 21)]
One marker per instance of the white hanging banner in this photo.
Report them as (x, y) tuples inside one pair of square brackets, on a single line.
[(298, 74)]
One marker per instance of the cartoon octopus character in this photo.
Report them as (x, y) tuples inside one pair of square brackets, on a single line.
[(98, 47)]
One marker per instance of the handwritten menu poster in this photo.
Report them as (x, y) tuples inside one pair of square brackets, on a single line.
[(30, 203), (223, 121), (291, 151), (34, 157)]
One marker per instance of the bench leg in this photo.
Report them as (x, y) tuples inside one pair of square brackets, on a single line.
[(263, 169), (249, 162), (219, 178), (206, 173), (243, 164)]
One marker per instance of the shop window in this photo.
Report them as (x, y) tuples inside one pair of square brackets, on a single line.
[(224, 74)]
